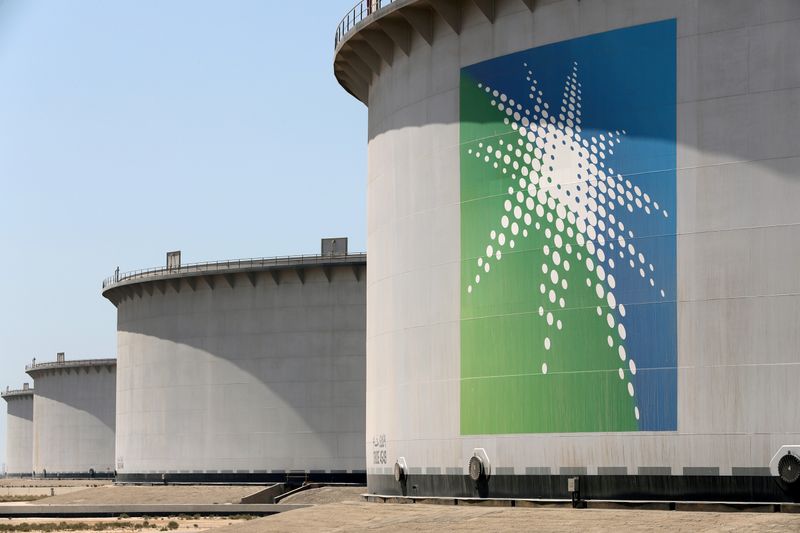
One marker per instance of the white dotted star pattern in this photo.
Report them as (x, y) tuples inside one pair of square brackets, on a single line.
[(551, 164)]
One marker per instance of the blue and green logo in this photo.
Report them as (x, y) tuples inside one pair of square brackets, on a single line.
[(568, 236)]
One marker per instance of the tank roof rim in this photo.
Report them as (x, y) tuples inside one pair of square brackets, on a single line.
[(16, 393), (235, 266), (38, 368)]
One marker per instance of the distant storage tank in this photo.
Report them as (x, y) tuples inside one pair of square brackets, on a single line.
[(73, 417), (19, 431), (246, 370), (582, 225)]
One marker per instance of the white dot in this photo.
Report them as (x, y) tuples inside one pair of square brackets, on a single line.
[(610, 341), (498, 254), (622, 333), (610, 320), (547, 343), (630, 388), (504, 221), (493, 234), (486, 267), (636, 412), (558, 324), (549, 319), (632, 366), (622, 309), (622, 354), (554, 276), (552, 296), (621, 374), (612, 301), (600, 292), (469, 289), (542, 288), (478, 278), (544, 368)]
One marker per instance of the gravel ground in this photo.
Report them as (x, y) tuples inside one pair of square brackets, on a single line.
[(134, 494), (361, 516)]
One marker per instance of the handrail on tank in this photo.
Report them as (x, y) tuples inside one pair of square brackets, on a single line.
[(16, 392), (361, 11), (211, 266), (71, 362)]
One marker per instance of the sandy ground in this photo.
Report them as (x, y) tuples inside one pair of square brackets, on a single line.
[(28, 483), (34, 489), (326, 495), (128, 525), (174, 494), (361, 516)]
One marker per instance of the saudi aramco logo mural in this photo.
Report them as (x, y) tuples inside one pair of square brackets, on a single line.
[(568, 313)]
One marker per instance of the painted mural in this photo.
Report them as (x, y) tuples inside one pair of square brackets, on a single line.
[(568, 236)]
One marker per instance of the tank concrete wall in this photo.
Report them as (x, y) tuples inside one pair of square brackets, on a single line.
[(19, 434), (738, 292), (73, 419), (243, 375)]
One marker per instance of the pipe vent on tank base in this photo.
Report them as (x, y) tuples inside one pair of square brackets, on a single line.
[(479, 466), (400, 470), (789, 468), (786, 464)]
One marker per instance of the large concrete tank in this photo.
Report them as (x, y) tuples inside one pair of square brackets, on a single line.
[(248, 370), (73, 417), (583, 228), (19, 431)]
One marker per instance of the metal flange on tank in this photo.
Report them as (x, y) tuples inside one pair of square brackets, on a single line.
[(480, 470), (785, 465), (400, 470), (401, 474)]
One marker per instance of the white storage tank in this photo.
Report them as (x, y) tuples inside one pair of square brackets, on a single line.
[(582, 227), (244, 370), (73, 417), (19, 431)]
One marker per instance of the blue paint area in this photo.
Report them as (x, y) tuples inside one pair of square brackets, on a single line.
[(628, 80)]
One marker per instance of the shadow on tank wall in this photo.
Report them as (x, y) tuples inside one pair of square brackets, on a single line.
[(255, 368)]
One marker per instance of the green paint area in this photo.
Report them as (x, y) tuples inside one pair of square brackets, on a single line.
[(504, 388)]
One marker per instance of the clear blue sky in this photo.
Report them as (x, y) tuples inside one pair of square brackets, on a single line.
[(130, 128)]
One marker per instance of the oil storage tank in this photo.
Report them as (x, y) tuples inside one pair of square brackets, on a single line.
[(73, 417), (581, 224), (19, 431), (244, 370)]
